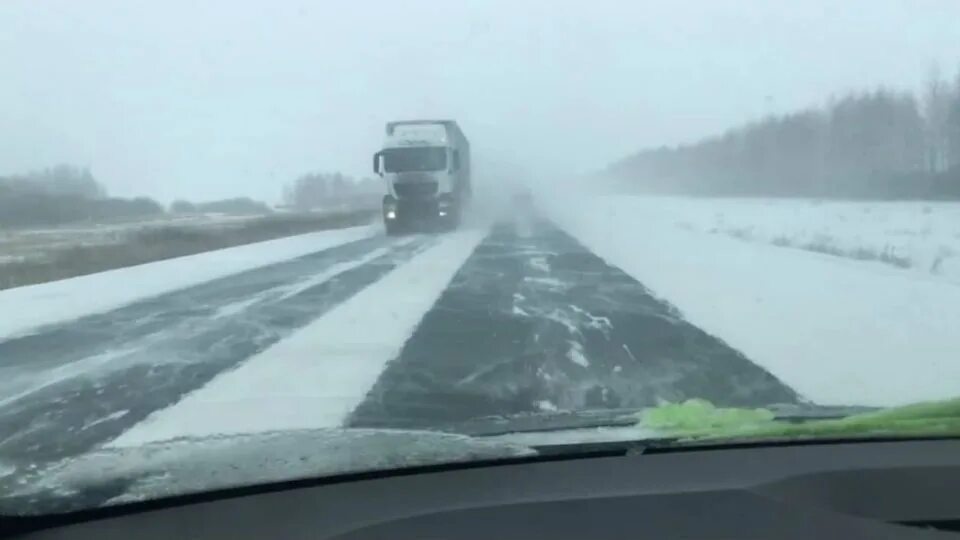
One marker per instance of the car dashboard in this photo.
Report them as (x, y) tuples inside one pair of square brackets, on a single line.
[(892, 489)]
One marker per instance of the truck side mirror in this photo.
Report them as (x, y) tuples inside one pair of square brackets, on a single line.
[(376, 162), (455, 163)]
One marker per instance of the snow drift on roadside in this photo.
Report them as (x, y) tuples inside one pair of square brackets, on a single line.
[(923, 237), (839, 331), (28, 307)]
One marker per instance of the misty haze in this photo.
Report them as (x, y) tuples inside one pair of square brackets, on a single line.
[(223, 223)]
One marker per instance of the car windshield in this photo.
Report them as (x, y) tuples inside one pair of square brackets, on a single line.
[(658, 222), (430, 158)]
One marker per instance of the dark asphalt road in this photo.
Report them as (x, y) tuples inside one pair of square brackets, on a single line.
[(532, 321), (147, 355)]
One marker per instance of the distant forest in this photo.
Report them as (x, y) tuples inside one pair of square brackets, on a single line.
[(880, 144), (319, 190), (66, 194)]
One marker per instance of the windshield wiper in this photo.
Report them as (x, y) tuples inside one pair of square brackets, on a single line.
[(540, 422), (554, 421), (634, 431)]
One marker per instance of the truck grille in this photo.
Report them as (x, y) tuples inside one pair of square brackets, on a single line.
[(418, 190)]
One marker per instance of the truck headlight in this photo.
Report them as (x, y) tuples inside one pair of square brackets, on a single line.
[(391, 214)]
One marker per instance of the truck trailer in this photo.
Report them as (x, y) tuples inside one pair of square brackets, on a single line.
[(426, 166)]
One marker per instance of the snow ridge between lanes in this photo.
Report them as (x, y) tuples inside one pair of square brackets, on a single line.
[(15, 386), (315, 377), (59, 301)]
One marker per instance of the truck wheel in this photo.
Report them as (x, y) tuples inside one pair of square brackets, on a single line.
[(452, 222), (389, 215)]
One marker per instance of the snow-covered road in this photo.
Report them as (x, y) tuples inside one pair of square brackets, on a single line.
[(28, 307), (548, 312)]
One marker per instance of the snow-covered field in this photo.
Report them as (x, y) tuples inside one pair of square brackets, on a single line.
[(47, 303), (920, 236), (839, 330)]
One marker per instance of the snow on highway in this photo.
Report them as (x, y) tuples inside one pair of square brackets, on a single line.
[(26, 308), (839, 331), (123, 338), (533, 321), (604, 306), (315, 377), (64, 385)]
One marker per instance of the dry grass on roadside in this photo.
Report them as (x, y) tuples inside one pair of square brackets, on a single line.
[(155, 244)]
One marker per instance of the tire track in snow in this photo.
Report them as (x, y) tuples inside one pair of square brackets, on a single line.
[(534, 321), (64, 342), (315, 377), (93, 398)]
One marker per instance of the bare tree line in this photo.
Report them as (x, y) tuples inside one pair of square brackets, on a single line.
[(877, 144), (318, 190), (67, 194)]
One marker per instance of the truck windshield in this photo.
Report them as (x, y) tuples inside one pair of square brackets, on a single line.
[(424, 158)]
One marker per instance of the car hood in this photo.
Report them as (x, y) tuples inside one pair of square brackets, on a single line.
[(192, 465)]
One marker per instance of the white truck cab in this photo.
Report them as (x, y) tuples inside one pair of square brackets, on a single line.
[(426, 166)]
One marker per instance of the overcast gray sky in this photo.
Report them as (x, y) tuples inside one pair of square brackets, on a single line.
[(207, 99)]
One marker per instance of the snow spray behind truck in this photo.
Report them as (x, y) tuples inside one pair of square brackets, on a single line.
[(426, 165)]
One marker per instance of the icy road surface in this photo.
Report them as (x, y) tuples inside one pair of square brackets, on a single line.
[(427, 330), (67, 299)]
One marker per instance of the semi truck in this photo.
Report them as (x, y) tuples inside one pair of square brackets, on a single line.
[(426, 166)]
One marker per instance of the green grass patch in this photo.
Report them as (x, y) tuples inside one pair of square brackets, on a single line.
[(701, 420)]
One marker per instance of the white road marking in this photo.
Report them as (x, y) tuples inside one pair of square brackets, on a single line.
[(67, 299), (317, 376)]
